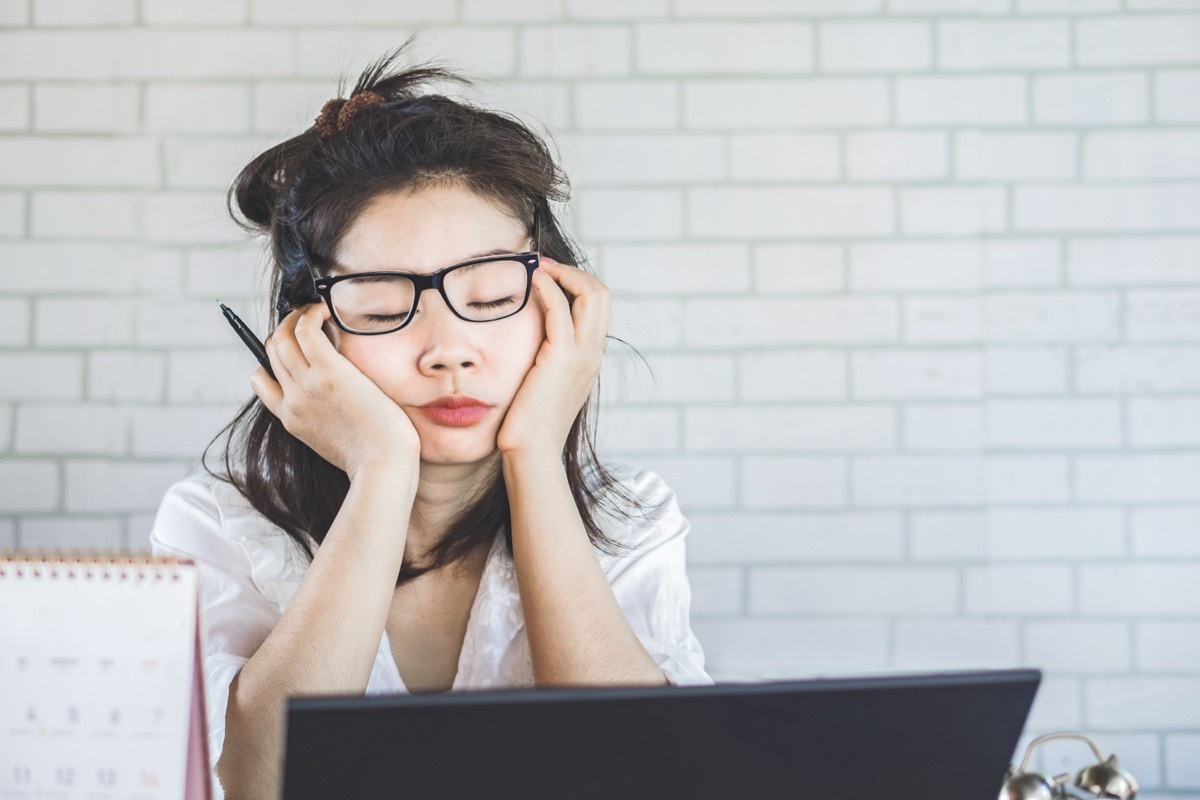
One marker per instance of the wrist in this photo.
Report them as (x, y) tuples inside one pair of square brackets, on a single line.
[(394, 468)]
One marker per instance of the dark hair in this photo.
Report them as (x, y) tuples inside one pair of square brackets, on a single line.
[(303, 194)]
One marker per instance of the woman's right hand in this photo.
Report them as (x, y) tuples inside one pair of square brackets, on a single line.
[(325, 401)]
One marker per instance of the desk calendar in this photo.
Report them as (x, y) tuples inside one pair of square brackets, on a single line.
[(101, 691)]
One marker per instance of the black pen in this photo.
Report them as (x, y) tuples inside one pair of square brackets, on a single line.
[(247, 336)]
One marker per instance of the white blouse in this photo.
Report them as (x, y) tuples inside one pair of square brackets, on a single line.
[(250, 569)]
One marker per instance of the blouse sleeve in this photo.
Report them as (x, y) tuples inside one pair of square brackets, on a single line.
[(235, 617), (650, 583)]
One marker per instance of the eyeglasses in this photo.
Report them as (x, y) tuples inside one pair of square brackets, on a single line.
[(482, 289)]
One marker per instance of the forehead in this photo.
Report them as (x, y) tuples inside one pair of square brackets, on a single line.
[(424, 230)]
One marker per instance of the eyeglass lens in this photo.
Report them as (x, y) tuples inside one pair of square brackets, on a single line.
[(479, 292)]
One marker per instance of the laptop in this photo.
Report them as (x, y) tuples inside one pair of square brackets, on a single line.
[(946, 735)]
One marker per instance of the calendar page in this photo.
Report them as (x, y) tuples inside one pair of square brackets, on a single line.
[(97, 673)]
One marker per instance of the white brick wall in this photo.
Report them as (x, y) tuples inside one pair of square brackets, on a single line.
[(919, 281)]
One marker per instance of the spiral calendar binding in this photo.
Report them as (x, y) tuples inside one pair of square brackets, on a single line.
[(90, 564)]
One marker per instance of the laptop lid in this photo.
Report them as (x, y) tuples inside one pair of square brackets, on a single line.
[(946, 735)]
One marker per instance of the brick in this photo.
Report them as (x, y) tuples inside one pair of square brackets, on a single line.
[(943, 319), (1054, 533), (488, 51), (852, 590), (208, 376), (561, 51), (723, 48), (73, 429), (276, 107), (14, 107), (961, 99), (1132, 39), (682, 378), (1165, 532), (647, 324), (71, 532), (113, 12), (1018, 44), (1082, 99), (219, 12), (1140, 589), (799, 268), (1137, 370), (716, 591), (948, 536), (700, 483), (639, 430), (896, 155), (189, 218), (653, 159), (779, 157), (953, 212), (737, 323), (83, 108), (1067, 6), (12, 214), (14, 322), (309, 12), (626, 105), (762, 649), (957, 480), (1107, 208), (1132, 155), (1025, 370), (773, 428), (905, 266), (15, 14), (522, 11), (782, 375), (94, 268), (1162, 316), (1001, 156), (182, 431), (59, 161), (1182, 753), (6, 428), (944, 426), (1027, 479), (41, 376), (1162, 646), (103, 485), (1057, 707), (1138, 478), (763, 538), (789, 482), (930, 373), (28, 485), (1078, 646), (891, 46), (1053, 424), (985, 7), (739, 213), (1052, 318), (955, 644), (1018, 589), (79, 321), (677, 269), (617, 9), (194, 163), (630, 214), (775, 8), (99, 55), (539, 104), (162, 323), (1174, 93), (229, 272), (1150, 702), (125, 375), (198, 109), (1132, 260), (89, 215), (8, 529), (784, 103), (1164, 421)]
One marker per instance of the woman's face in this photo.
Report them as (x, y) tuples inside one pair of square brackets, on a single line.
[(437, 354)]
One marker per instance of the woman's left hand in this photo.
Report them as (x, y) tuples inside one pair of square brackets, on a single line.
[(567, 365)]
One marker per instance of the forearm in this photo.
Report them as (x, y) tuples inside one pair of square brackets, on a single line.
[(577, 631), (326, 640)]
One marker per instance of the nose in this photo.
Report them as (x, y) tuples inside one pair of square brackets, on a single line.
[(446, 340)]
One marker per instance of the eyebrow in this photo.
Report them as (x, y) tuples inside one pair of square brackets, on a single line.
[(338, 269)]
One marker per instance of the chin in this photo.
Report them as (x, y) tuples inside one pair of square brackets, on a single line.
[(467, 451)]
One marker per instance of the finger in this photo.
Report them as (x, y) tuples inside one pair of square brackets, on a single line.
[(591, 306), (560, 327), (287, 349), (268, 390), (311, 336), (575, 282)]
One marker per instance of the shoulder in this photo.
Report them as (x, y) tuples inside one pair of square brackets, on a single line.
[(648, 513)]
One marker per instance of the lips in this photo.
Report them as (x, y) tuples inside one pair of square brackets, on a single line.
[(456, 411)]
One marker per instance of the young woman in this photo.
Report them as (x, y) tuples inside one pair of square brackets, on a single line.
[(413, 502)]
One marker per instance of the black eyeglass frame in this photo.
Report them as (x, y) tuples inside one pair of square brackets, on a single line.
[(436, 280)]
